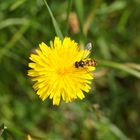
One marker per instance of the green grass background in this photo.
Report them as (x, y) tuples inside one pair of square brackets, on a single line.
[(111, 111)]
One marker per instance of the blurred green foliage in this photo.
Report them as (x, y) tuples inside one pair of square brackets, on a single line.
[(112, 112)]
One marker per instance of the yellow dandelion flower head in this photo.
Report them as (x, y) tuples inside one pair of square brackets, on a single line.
[(54, 73)]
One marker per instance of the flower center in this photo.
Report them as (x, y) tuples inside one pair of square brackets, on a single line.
[(62, 71)]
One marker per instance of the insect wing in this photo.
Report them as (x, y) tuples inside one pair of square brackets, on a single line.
[(89, 46)]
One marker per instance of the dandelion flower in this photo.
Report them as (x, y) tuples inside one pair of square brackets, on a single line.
[(54, 73)]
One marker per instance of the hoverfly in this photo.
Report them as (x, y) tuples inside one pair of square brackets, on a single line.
[(82, 63)]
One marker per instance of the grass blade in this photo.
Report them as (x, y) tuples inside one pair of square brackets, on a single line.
[(122, 67), (56, 27), (68, 12), (13, 21), (16, 37), (17, 4), (80, 12)]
